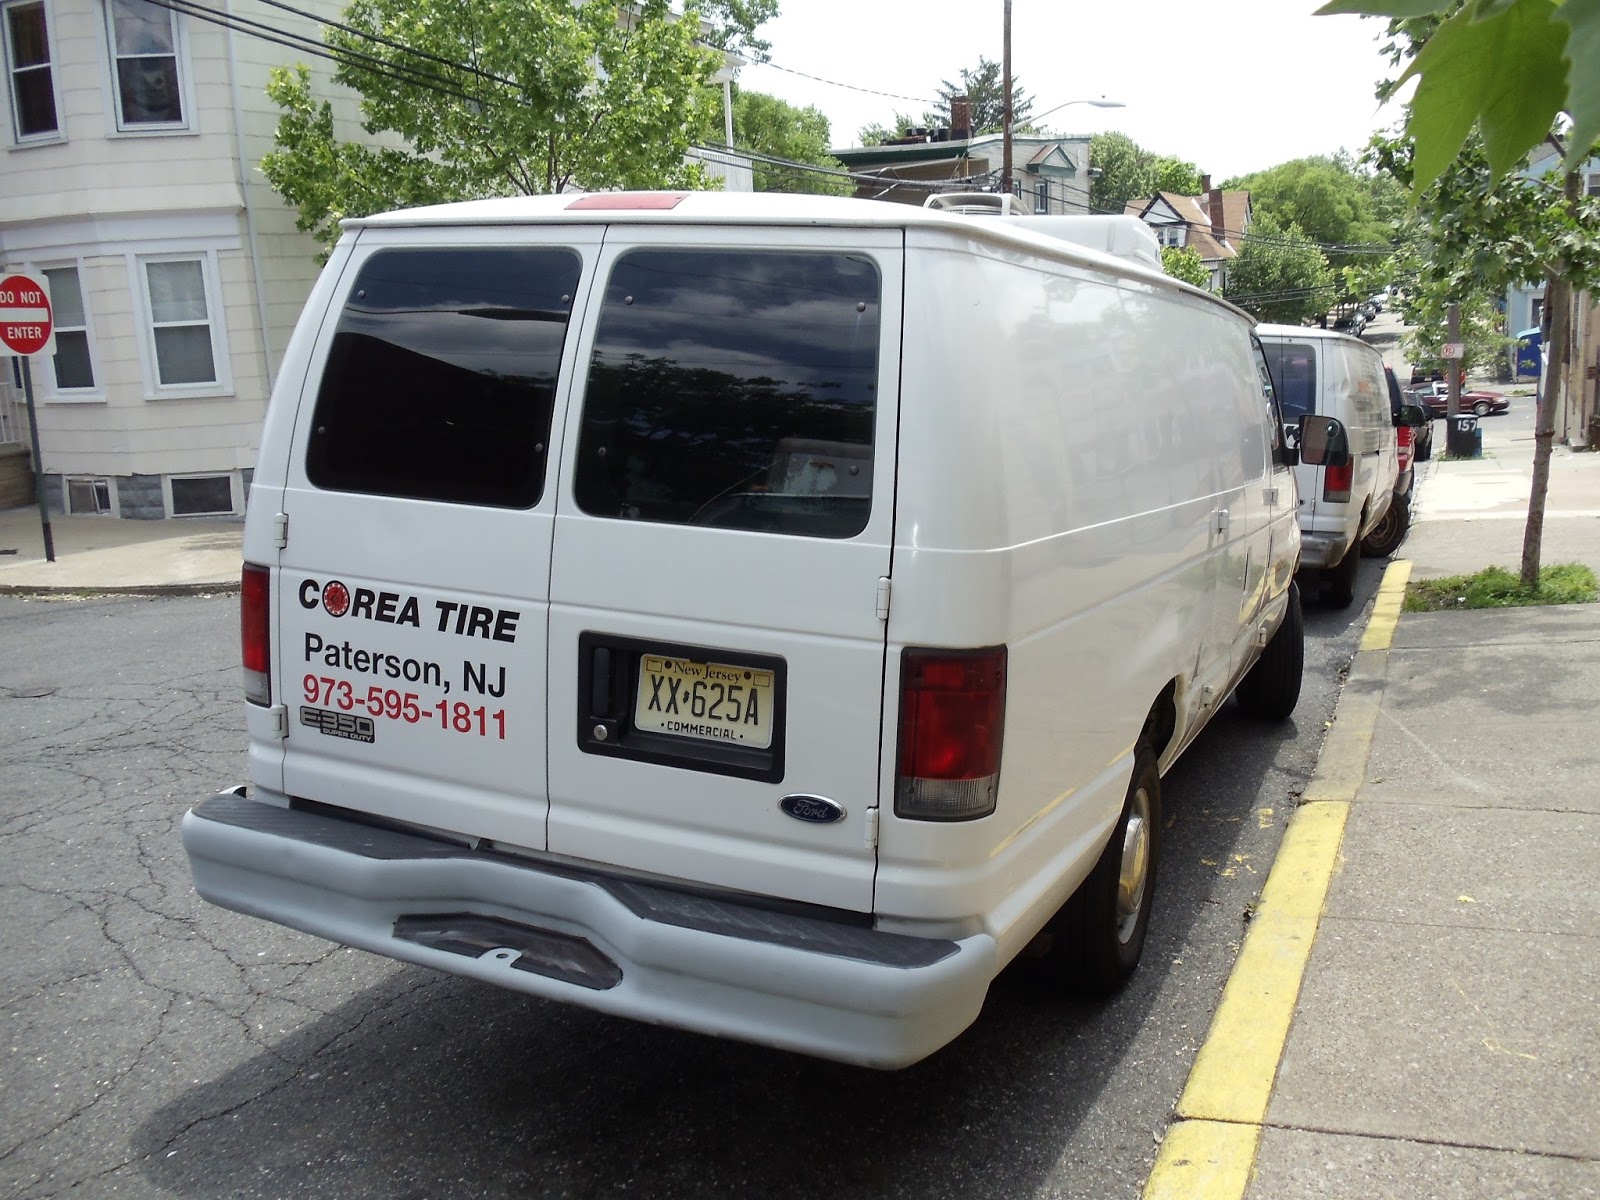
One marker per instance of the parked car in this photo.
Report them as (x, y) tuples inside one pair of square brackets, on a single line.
[(1327, 373), (1435, 397), (1409, 420), (1422, 435), (658, 648)]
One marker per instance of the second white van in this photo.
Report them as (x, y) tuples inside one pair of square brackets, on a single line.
[(1332, 374)]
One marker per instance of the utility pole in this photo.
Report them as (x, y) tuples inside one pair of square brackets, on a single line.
[(1005, 127), (1453, 334)]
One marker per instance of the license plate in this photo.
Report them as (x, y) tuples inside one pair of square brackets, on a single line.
[(711, 701)]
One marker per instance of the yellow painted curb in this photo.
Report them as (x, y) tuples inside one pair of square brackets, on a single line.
[(1209, 1153), (1203, 1160), (1232, 1076), (1386, 609)]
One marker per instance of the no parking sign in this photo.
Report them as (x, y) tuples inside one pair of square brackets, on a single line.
[(27, 325)]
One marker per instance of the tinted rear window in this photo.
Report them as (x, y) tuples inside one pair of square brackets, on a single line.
[(442, 376), (736, 389), (1294, 372)]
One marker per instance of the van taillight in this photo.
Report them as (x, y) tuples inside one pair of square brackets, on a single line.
[(1336, 481), (255, 593), (1404, 435), (952, 721)]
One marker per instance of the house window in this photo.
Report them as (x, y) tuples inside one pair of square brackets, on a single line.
[(33, 87), (182, 331), (1041, 196), (1593, 187), (74, 366), (145, 65), (88, 497), (202, 495)]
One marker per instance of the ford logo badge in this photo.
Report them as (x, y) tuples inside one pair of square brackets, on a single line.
[(819, 810)]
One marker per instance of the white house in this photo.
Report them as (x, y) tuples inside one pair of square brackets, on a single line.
[(129, 134), (1212, 224)]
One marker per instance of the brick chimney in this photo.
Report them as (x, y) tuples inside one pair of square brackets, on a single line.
[(960, 118), (1205, 184), (1219, 226)]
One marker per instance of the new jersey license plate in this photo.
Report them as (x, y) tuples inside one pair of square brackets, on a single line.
[(712, 701)]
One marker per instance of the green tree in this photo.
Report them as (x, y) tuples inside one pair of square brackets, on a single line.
[(1511, 69), (1176, 176), (503, 97), (1125, 170), (772, 127), (984, 88), (1481, 233), (1184, 262), (1327, 198), (1280, 275), (1495, 78), (985, 91)]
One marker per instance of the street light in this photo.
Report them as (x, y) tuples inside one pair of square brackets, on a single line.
[(1102, 102)]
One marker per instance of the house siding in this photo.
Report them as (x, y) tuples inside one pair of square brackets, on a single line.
[(101, 200)]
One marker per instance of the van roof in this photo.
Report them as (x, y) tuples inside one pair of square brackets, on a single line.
[(763, 208), (1311, 331)]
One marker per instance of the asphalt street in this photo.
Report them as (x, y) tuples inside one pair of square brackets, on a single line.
[(158, 1047)]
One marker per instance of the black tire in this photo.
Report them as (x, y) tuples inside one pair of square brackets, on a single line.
[(1339, 583), (1098, 936), (1271, 688), (1387, 535), (1483, 408), (1425, 448)]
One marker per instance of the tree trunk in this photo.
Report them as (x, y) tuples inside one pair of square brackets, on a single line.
[(1553, 392)]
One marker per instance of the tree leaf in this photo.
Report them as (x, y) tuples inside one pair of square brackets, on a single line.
[(1505, 73), (1582, 17), (1384, 8)]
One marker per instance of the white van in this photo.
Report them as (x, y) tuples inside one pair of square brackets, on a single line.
[(1320, 371), (754, 614)]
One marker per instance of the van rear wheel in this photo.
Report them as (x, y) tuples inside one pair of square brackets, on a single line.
[(1271, 688), (1339, 583), (1388, 533), (1098, 936)]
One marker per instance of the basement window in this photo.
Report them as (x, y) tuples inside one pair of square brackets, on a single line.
[(88, 497), (202, 496)]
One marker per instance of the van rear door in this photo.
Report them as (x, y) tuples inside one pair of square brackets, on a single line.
[(1296, 372), (724, 520), (414, 582)]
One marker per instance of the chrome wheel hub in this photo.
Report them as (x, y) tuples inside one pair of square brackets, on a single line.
[(1135, 872)]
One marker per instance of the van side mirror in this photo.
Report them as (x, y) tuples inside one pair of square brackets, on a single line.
[(1324, 441), (1413, 415)]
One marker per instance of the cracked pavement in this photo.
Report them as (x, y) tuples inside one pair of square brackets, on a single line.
[(156, 1046)]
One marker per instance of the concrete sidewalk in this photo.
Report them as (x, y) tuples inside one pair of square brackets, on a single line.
[(1415, 1011), (102, 554)]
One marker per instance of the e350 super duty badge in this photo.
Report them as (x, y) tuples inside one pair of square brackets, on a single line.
[(351, 726)]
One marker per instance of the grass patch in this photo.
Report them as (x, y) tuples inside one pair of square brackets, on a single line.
[(1496, 587)]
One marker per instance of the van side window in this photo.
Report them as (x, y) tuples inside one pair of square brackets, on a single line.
[(1269, 397), (442, 375), (1294, 371), (734, 388)]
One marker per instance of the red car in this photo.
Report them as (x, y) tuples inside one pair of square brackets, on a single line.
[(1435, 397)]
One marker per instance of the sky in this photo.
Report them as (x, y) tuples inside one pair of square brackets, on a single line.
[(1231, 85)]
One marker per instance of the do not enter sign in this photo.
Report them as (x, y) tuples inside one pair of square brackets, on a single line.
[(26, 324)]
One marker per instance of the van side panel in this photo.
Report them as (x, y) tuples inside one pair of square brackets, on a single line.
[(1061, 493)]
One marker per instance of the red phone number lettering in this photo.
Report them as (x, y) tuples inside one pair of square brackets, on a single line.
[(389, 703)]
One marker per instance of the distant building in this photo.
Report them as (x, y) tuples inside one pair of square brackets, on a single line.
[(1050, 173), (1213, 224), (1578, 421)]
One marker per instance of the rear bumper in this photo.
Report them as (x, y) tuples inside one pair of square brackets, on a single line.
[(1322, 549), (724, 966)]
